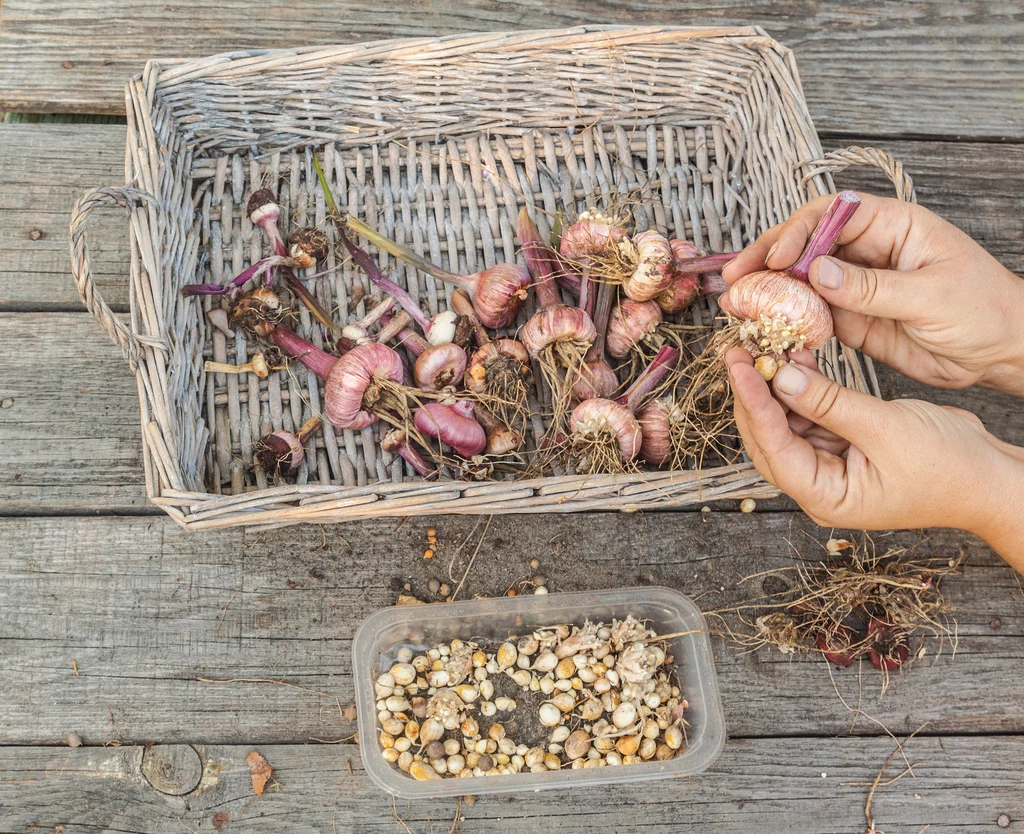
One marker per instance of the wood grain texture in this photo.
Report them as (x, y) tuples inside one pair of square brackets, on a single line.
[(72, 425), (792, 785), (896, 68), (143, 610), (44, 168)]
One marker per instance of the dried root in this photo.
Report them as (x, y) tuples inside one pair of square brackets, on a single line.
[(595, 454), (704, 429), (856, 603)]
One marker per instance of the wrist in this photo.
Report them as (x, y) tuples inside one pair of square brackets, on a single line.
[(1007, 376), (998, 519), (1007, 373)]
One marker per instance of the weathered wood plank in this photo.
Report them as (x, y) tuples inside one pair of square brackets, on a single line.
[(975, 186), (889, 70), (73, 432), (71, 427), (791, 785), (43, 170), (141, 609)]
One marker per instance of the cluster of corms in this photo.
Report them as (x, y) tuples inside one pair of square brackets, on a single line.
[(607, 698), (468, 401)]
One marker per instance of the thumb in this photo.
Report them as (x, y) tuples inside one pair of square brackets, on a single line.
[(854, 416), (873, 292)]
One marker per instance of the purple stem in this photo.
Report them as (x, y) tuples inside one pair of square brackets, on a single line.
[(826, 233), (391, 326), (224, 289), (586, 296), (649, 378), (602, 313), (205, 289), (414, 459), (318, 361), (713, 284), (397, 441), (367, 264), (270, 229), (568, 278), (413, 341), (704, 263), (540, 260)]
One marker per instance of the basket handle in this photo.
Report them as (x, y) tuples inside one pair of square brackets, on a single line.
[(855, 155), (81, 269)]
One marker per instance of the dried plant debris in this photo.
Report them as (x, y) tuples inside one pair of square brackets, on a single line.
[(857, 602), (260, 770), (555, 698)]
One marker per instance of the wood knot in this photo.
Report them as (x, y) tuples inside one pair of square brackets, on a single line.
[(172, 769)]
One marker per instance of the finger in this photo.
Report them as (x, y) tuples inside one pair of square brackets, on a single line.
[(826, 441), (886, 341), (882, 293), (790, 460), (741, 357), (812, 471), (814, 434), (854, 416), (738, 356), (833, 446), (804, 357), (796, 231), (808, 360), (875, 232), (799, 424)]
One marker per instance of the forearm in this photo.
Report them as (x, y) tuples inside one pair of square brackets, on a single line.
[(1001, 520)]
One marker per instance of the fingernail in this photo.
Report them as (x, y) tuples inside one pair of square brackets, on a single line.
[(771, 252), (830, 273), (791, 379)]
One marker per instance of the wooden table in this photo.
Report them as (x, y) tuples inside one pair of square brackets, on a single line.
[(174, 655)]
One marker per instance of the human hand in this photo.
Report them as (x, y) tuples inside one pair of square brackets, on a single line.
[(851, 460), (909, 289)]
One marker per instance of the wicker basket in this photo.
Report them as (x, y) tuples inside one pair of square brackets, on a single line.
[(437, 142)]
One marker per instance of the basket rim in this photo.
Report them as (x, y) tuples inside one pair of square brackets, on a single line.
[(168, 71), (337, 502)]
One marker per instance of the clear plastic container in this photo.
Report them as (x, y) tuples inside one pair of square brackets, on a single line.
[(422, 626)]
